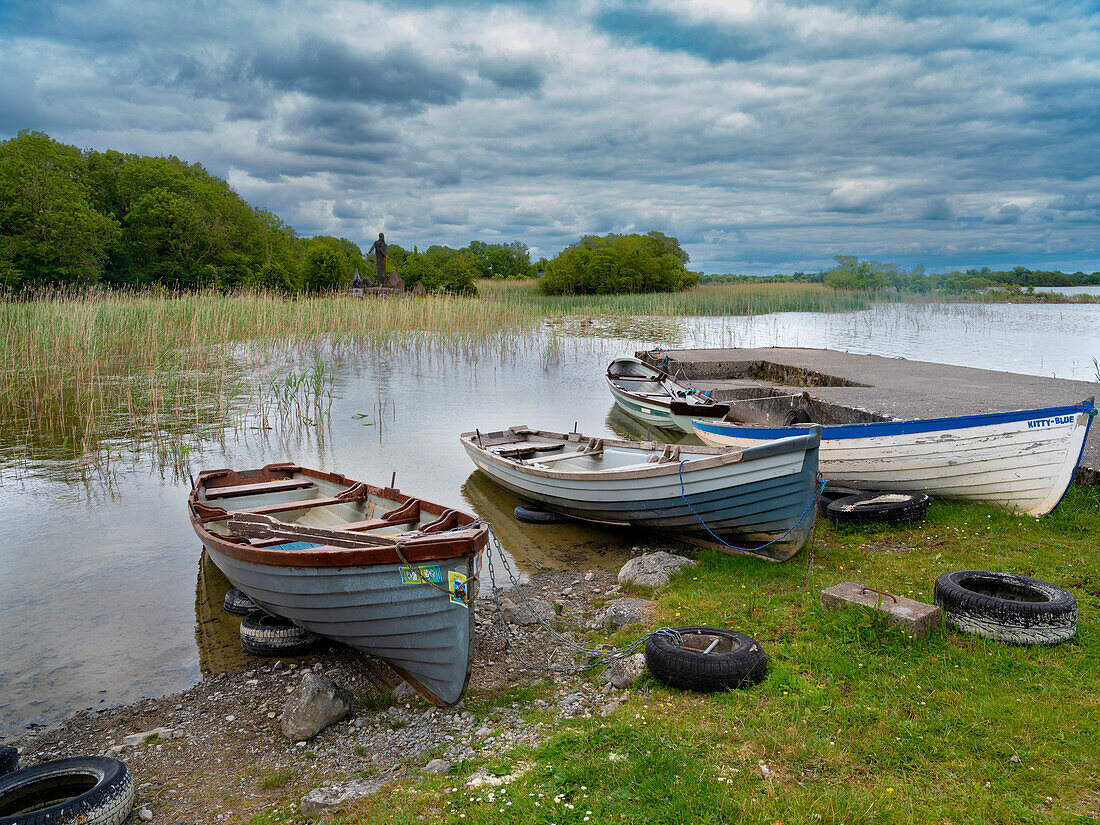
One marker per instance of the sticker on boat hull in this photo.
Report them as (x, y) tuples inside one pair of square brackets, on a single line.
[(456, 584), (420, 575)]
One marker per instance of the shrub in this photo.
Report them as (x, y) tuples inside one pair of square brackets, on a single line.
[(617, 264)]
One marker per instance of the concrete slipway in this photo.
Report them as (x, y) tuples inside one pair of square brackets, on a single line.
[(844, 388)]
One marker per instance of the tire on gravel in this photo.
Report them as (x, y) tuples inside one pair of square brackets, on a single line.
[(9, 760), (89, 790), (831, 493), (265, 635), (1006, 607), (238, 603), (738, 661), (883, 507), (536, 515)]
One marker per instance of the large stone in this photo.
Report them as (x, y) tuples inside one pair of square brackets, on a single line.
[(156, 734), (653, 569), (623, 612), (405, 693), (318, 703), (624, 672), (524, 615), (321, 800), (915, 618)]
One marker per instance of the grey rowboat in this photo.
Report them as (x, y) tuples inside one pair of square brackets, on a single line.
[(757, 501), (385, 573)]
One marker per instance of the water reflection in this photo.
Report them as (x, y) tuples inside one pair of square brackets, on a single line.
[(533, 547), (217, 632)]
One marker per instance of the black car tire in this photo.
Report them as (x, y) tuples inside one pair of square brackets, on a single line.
[(737, 661), (9, 760), (82, 790), (265, 635), (536, 515), (238, 603), (882, 506), (831, 493), (1006, 606), (796, 416)]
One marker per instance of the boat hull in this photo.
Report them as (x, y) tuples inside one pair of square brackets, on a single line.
[(653, 414), (760, 504), (649, 396), (422, 633), (1023, 460), (385, 573)]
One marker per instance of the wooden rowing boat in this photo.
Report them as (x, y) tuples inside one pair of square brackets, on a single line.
[(385, 573), (1023, 460), (655, 397), (757, 501)]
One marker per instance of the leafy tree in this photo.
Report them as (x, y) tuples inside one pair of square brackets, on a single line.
[(49, 231), (852, 273), (440, 269), (619, 263), (326, 265), (500, 261)]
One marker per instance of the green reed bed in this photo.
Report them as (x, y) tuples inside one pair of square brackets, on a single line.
[(720, 299), (81, 369)]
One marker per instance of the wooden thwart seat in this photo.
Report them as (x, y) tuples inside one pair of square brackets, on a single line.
[(594, 447), (258, 488), (260, 526), (210, 512)]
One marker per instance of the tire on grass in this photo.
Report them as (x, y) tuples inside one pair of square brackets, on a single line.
[(238, 603), (883, 507), (831, 493), (89, 790), (1006, 607), (265, 635), (736, 661), (533, 514)]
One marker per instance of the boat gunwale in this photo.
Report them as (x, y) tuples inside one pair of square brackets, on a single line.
[(429, 547), (716, 456), (881, 429)]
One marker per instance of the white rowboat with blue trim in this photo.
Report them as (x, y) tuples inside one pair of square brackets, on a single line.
[(1023, 460), (652, 395), (758, 501)]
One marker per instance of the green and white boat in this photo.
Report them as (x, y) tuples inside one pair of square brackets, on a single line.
[(652, 395)]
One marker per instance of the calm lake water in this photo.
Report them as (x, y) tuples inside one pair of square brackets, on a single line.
[(104, 595)]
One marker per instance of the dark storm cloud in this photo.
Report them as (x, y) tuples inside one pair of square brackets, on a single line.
[(937, 209), (333, 70), (764, 134), (664, 30), (516, 75)]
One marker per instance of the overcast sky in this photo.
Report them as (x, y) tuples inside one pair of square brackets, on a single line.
[(767, 136)]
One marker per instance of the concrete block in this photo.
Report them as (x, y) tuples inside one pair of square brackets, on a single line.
[(916, 618)]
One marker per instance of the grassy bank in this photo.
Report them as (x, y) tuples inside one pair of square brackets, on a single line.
[(856, 722)]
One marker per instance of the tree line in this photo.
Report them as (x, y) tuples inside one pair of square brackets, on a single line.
[(852, 273), (79, 218)]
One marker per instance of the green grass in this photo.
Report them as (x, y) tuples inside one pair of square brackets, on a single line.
[(278, 778), (856, 721)]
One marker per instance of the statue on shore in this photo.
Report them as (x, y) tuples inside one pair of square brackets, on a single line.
[(379, 249)]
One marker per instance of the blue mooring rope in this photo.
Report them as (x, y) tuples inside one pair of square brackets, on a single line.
[(683, 495)]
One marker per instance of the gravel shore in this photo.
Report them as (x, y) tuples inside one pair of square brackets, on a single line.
[(221, 757)]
